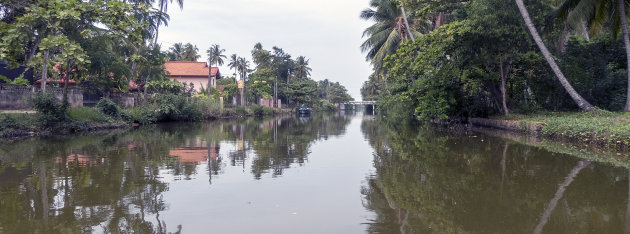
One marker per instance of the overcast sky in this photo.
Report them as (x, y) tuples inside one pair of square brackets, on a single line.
[(328, 32)]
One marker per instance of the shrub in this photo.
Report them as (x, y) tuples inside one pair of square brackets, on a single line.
[(240, 111), (228, 112), (262, 110), (174, 108), (15, 121), (211, 108), (108, 107), (49, 111), (330, 107), (165, 86), (87, 114), (142, 115)]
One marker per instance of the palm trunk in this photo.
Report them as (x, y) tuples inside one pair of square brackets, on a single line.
[(45, 71), (585, 32), (44, 189), (146, 82), (157, 32), (559, 193), (209, 78), (242, 97), (404, 15), (579, 100), (503, 90), (626, 41), (65, 85), (275, 93)]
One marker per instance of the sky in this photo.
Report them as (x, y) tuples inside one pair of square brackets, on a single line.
[(328, 32)]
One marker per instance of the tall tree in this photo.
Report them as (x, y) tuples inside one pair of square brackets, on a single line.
[(57, 26), (302, 70), (176, 51), (598, 13), (190, 53), (262, 58), (215, 57), (577, 98), (163, 4), (386, 34), (243, 67), (233, 64), (151, 17)]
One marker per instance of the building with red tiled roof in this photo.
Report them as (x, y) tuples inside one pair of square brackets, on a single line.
[(195, 154), (192, 72)]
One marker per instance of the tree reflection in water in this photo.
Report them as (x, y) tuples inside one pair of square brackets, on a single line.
[(471, 183), (114, 182)]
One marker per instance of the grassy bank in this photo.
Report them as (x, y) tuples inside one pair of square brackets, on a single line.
[(604, 128), (54, 117)]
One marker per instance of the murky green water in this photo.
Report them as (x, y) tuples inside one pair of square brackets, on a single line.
[(343, 173)]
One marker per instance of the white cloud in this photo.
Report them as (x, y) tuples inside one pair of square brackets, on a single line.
[(328, 32)]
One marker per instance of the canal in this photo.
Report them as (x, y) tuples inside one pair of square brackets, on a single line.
[(334, 173)]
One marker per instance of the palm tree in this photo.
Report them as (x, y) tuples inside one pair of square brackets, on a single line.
[(243, 67), (577, 98), (153, 18), (215, 57), (302, 70), (190, 53), (234, 65), (598, 13), (262, 58), (386, 34), (176, 51), (164, 8)]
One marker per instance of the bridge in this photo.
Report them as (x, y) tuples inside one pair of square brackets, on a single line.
[(370, 106), (361, 103)]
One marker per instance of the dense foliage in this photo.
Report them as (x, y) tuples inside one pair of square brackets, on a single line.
[(478, 59)]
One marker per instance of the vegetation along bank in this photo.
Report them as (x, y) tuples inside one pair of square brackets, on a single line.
[(557, 65), (55, 117), (110, 48)]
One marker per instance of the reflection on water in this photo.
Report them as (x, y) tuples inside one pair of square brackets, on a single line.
[(429, 181), (341, 173), (116, 182)]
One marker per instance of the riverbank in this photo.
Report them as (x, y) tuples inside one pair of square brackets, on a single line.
[(603, 129), (109, 116)]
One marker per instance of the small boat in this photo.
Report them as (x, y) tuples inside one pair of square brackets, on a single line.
[(304, 110)]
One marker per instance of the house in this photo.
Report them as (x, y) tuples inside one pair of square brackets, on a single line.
[(192, 72), (195, 155)]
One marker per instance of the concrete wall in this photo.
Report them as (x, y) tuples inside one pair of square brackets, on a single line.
[(17, 97), (265, 102), (124, 100)]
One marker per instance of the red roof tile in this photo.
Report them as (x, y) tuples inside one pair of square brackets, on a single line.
[(184, 68)]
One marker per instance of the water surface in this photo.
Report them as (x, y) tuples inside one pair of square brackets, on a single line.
[(338, 173)]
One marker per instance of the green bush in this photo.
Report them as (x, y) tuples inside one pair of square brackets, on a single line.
[(330, 107), (88, 114), (228, 112), (50, 112), (108, 107), (142, 115), (15, 121), (177, 108), (211, 108), (262, 110), (240, 111)]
